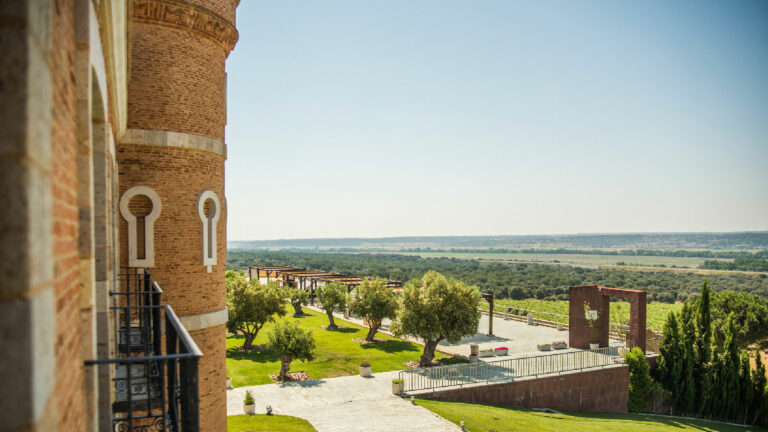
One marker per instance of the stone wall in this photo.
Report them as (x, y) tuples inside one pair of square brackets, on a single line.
[(601, 390)]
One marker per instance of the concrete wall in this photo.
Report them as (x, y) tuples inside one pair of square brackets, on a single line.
[(603, 390)]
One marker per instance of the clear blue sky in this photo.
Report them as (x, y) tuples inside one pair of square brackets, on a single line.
[(412, 117)]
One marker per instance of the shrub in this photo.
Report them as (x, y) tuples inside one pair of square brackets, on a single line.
[(365, 363), (639, 380), (248, 398), (398, 381)]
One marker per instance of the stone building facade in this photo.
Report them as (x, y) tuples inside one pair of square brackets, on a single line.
[(112, 155)]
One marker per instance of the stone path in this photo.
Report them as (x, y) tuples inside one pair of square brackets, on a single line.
[(343, 404)]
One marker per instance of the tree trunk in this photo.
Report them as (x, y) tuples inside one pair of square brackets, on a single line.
[(248, 344), (332, 324), (297, 311), (372, 332), (429, 353), (285, 366)]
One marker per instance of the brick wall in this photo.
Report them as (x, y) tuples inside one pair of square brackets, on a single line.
[(69, 391), (213, 377), (179, 176), (177, 82), (602, 390)]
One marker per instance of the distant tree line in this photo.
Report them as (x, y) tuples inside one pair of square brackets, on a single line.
[(509, 280), (623, 252), (743, 264)]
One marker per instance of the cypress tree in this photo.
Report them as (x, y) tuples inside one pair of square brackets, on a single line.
[(671, 358), (729, 365), (745, 384), (760, 392), (702, 370), (688, 402)]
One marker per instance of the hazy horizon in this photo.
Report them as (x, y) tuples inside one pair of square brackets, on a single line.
[(351, 119), (502, 235)]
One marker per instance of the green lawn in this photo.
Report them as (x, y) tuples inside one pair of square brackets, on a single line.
[(487, 418), (337, 353), (272, 423)]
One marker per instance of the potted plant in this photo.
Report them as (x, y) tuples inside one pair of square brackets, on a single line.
[(229, 382), (473, 358), (501, 351), (365, 368), (593, 320), (249, 405), (397, 386)]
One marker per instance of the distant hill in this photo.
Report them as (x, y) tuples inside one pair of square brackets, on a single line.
[(754, 240)]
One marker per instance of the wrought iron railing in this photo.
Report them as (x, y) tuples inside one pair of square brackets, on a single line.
[(155, 368), (506, 370)]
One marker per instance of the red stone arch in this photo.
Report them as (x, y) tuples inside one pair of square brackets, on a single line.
[(599, 298)]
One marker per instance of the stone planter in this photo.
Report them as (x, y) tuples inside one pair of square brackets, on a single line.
[(365, 371), (229, 383), (594, 345), (559, 345), (474, 348), (544, 347), (249, 409), (501, 351), (485, 353), (397, 388), (473, 358)]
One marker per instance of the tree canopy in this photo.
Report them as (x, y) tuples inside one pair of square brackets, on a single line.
[(373, 301), (333, 297), (251, 305), (293, 343), (437, 308)]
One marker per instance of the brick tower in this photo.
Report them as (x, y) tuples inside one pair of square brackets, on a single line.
[(171, 171)]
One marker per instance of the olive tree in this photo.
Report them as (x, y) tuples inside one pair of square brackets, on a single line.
[(297, 297), (373, 301), (437, 308), (292, 342), (333, 296), (251, 305)]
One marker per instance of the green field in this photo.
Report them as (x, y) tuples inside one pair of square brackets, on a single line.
[(575, 259), (656, 313), (336, 354), (272, 423), (488, 418)]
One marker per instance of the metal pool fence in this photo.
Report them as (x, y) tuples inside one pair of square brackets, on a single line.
[(506, 370)]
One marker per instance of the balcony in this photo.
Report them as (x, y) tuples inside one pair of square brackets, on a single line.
[(154, 371)]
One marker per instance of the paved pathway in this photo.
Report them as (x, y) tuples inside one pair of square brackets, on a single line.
[(344, 404)]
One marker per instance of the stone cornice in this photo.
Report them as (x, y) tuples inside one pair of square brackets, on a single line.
[(174, 139), (205, 320), (182, 15)]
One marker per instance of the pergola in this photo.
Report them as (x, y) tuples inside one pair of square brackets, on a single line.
[(308, 280)]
